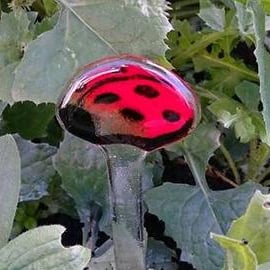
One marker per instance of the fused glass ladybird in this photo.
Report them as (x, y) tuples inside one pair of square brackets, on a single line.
[(128, 100)]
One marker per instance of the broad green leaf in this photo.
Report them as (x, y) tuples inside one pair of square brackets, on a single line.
[(237, 201), (213, 16), (10, 180), (263, 60), (253, 226), (197, 154), (36, 167), (189, 218), (28, 119), (84, 176), (249, 94), (41, 248), (238, 253), (87, 31), (14, 36), (191, 212)]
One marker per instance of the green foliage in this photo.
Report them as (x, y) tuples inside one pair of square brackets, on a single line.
[(263, 60), (225, 71), (42, 44), (14, 37), (37, 168), (239, 254), (82, 35), (9, 185), (247, 241), (28, 119), (22, 252), (213, 16), (45, 8), (83, 170), (158, 257), (207, 209)]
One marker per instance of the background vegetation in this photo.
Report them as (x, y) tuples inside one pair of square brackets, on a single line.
[(198, 192)]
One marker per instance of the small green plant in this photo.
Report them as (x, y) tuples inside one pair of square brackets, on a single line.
[(38, 248)]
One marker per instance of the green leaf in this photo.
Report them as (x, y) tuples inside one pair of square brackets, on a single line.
[(198, 152), (210, 52), (37, 168), (263, 59), (213, 16), (259, 154), (14, 36), (226, 110), (41, 248), (50, 6), (239, 255), (84, 175), (45, 25), (9, 185), (244, 127), (28, 119), (226, 72), (185, 43), (249, 94), (191, 212), (189, 218), (244, 17), (253, 226), (248, 125), (87, 31)]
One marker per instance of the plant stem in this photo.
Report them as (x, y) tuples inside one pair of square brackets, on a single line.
[(231, 163), (124, 165)]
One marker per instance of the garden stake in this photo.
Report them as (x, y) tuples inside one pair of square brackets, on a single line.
[(129, 106)]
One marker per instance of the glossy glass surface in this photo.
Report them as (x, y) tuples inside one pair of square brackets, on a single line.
[(128, 100)]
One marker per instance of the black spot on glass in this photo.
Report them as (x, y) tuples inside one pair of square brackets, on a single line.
[(106, 98), (146, 91), (123, 69), (171, 116), (132, 115)]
